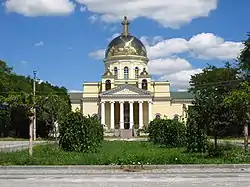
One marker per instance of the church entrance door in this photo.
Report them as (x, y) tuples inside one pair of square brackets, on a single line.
[(126, 115)]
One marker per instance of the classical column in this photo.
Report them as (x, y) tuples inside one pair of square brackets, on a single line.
[(140, 114), (131, 114), (150, 111), (121, 115), (112, 115), (103, 113)]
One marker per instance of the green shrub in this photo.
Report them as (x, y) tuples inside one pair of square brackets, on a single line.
[(224, 150), (80, 133), (197, 140), (169, 133)]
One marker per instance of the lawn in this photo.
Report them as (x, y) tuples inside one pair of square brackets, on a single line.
[(117, 152)]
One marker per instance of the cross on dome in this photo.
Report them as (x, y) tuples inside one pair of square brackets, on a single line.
[(125, 24)]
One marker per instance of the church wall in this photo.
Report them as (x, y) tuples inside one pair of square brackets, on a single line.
[(161, 89), (90, 108), (75, 107), (161, 107), (91, 89)]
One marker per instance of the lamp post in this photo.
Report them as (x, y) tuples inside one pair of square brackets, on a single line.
[(34, 102)]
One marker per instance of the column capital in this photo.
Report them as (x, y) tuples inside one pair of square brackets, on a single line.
[(111, 102), (131, 102), (121, 102), (102, 102), (151, 102), (140, 101)]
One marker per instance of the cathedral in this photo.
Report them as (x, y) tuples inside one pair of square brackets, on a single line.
[(127, 98)]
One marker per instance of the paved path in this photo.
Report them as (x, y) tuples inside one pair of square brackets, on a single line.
[(10, 146), (184, 177)]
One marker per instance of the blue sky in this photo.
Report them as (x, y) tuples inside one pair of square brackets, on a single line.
[(59, 38)]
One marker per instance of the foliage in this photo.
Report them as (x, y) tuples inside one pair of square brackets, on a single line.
[(239, 101), (120, 153), (196, 136), (244, 59), (209, 88), (80, 133), (170, 133), (17, 92)]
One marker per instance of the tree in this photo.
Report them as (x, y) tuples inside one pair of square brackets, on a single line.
[(52, 109), (209, 89), (244, 59), (239, 101), (17, 90), (196, 136)]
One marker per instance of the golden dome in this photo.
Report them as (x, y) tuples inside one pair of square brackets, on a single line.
[(125, 45)]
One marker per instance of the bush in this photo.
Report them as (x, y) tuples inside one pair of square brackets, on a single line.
[(169, 133), (80, 133), (197, 140)]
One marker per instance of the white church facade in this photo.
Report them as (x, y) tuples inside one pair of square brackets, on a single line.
[(127, 98)]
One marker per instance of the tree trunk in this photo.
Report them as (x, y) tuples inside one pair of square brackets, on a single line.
[(246, 132), (215, 140), (246, 136)]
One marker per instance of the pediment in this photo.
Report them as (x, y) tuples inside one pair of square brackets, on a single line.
[(127, 90)]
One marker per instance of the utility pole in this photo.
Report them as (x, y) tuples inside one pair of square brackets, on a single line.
[(34, 108), (31, 134)]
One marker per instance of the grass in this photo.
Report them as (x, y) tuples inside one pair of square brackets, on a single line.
[(119, 153)]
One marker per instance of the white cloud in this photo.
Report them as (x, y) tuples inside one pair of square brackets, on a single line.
[(75, 91), (167, 48), (113, 36), (24, 62), (98, 54), (162, 66), (39, 44), (83, 9), (34, 8), (180, 80), (209, 46), (204, 46), (93, 18), (169, 13)]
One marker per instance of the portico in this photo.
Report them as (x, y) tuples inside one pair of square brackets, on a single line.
[(126, 107)]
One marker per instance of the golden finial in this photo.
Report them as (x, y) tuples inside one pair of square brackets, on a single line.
[(125, 24)]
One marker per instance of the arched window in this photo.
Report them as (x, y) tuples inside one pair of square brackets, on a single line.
[(107, 85), (115, 72), (158, 116), (144, 84), (176, 117), (136, 72), (126, 72)]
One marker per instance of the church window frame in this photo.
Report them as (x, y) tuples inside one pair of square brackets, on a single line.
[(144, 84), (176, 117), (157, 116), (126, 73), (108, 84), (115, 72), (136, 72)]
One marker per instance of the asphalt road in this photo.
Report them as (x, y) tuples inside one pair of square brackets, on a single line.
[(184, 177), (10, 146)]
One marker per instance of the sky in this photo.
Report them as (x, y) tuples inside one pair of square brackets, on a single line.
[(64, 40)]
